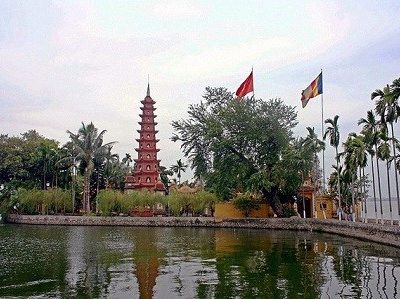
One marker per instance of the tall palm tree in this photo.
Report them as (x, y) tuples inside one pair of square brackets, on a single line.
[(384, 155), (371, 139), (315, 145), (178, 168), (88, 144), (387, 107), (360, 156), (334, 138), (127, 159), (350, 163)]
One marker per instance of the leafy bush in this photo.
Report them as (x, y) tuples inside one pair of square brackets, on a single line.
[(288, 211), (246, 203), (110, 201), (34, 201)]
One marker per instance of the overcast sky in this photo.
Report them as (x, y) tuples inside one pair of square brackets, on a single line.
[(64, 62)]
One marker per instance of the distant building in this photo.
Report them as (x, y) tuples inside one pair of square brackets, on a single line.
[(146, 172)]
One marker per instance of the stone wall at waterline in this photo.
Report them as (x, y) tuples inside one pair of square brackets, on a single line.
[(385, 234)]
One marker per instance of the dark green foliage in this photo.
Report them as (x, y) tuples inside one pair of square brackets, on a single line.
[(246, 203), (244, 146)]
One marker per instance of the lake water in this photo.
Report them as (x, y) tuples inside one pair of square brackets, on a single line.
[(139, 262)]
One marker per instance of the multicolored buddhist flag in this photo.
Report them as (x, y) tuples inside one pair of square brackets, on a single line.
[(246, 86), (313, 90)]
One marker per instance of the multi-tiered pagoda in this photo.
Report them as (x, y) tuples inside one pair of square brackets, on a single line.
[(146, 172)]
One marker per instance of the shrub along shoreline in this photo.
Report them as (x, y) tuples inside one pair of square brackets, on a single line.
[(389, 235)]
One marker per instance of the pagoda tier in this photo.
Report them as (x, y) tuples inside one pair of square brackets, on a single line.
[(148, 115), (142, 108), (150, 131), (147, 123), (146, 172)]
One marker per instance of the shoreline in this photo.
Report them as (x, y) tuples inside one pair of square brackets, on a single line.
[(384, 234)]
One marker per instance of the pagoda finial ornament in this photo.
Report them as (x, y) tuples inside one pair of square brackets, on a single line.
[(146, 168)]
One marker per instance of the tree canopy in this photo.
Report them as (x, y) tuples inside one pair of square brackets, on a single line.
[(247, 145)]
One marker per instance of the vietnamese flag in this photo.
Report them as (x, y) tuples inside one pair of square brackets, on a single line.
[(246, 86)]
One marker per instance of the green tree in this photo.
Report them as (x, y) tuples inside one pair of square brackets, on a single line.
[(355, 159), (387, 107), (178, 168), (384, 155), (89, 146), (164, 173), (334, 138), (245, 203), (127, 159), (372, 140), (241, 146), (314, 145)]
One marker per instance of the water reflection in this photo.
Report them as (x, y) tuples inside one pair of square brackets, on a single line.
[(102, 262)]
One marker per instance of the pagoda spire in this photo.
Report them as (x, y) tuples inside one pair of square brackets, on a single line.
[(148, 86)]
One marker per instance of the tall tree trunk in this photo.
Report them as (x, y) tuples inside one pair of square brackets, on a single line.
[(395, 171), (352, 198), (364, 193), (44, 176), (389, 193), (86, 193), (373, 187), (273, 200), (379, 184), (97, 188), (338, 183)]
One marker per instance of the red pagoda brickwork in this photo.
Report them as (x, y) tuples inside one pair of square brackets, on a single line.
[(146, 170)]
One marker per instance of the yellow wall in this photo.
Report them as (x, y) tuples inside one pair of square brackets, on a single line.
[(228, 210), (330, 210)]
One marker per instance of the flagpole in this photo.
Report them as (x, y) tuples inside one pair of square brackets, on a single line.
[(253, 80), (322, 134)]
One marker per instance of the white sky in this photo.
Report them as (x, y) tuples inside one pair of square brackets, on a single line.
[(64, 62)]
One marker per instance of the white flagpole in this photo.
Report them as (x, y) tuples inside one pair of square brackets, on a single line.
[(322, 134), (252, 74)]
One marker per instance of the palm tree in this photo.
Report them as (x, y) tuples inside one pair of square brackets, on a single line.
[(371, 139), (384, 154), (360, 152), (127, 159), (334, 136), (387, 107), (89, 146), (315, 146), (164, 173), (178, 168)]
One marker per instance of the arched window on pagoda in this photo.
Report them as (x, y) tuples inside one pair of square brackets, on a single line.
[(148, 145), (148, 180), (148, 136), (148, 156), (148, 167)]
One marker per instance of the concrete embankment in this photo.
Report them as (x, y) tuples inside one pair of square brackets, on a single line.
[(385, 234)]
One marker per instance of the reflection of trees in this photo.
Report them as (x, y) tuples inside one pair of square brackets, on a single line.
[(260, 266), (191, 262), (354, 271)]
